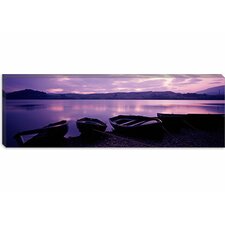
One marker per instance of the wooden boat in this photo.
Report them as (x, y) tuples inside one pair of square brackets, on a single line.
[(192, 120), (136, 124), (171, 116), (207, 121), (46, 136), (174, 121), (90, 125)]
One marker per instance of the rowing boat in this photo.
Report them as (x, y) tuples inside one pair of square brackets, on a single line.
[(89, 125), (204, 121), (174, 121), (136, 124), (207, 121), (48, 135)]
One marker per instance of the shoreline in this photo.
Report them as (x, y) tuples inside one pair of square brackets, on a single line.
[(185, 137)]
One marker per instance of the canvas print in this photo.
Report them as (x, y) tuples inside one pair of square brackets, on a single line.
[(113, 110)]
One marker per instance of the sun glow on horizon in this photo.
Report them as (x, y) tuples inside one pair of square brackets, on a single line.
[(55, 90)]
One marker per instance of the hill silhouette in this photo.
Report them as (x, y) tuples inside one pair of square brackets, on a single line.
[(219, 90), (34, 94)]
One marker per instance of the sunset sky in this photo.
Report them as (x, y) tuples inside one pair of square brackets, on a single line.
[(183, 83)]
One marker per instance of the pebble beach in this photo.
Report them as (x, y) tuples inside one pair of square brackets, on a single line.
[(185, 137)]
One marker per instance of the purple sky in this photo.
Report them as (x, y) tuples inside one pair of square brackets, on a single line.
[(182, 83)]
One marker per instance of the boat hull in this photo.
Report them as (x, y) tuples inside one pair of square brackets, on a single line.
[(57, 129), (172, 121), (89, 125), (49, 136), (138, 125), (201, 121)]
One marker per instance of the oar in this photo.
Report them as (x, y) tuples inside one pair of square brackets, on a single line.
[(189, 125)]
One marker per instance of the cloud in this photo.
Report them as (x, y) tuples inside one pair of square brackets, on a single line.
[(118, 89), (179, 80), (111, 83), (63, 79), (55, 90), (118, 82), (195, 80)]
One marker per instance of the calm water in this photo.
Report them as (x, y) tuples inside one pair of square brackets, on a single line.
[(20, 115)]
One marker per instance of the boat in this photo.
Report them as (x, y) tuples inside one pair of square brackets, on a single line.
[(171, 116), (89, 125), (49, 135), (207, 121), (204, 121), (136, 124), (174, 121)]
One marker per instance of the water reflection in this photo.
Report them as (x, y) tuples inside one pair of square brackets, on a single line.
[(27, 107), (56, 108), (22, 115)]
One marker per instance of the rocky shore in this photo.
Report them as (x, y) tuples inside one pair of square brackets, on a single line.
[(185, 137)]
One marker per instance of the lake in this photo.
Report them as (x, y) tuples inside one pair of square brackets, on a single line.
[(20, 115)]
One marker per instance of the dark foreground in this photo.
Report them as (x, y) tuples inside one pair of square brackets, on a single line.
[(190, 130), (184, 137)]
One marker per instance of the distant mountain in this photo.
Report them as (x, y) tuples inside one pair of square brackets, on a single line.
[(26, 94), (219, 90), (33, 94)]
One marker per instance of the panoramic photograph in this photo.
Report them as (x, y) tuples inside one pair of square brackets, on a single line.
[(113, 110)]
